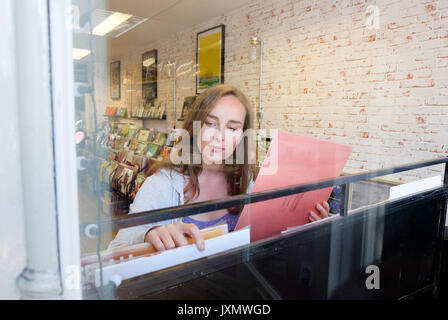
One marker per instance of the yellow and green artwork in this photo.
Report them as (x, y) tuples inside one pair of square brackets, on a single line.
[(210, 54)]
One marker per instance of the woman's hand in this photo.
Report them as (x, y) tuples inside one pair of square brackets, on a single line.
[(174, 235), (323, 209)]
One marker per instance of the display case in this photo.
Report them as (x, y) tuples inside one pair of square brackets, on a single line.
[(391, 249)]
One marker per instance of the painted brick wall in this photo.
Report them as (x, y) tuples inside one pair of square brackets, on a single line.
[(327, 74)]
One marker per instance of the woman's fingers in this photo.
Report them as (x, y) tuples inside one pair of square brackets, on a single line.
[(166, 238), (322, 210), (177, 236), (313, 216), (154, 238), (326, 206), (173, 235), (193, 231)]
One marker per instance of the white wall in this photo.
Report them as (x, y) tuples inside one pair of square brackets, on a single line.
[(326, 74)]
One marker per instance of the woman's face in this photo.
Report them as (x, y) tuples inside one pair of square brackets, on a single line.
[(222, 130)]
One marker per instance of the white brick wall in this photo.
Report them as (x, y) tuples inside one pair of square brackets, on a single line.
[(385, 91)]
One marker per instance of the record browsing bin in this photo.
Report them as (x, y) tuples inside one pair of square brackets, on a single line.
[(127, 152)]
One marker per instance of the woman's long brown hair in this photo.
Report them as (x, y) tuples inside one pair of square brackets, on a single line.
[(237, 175)]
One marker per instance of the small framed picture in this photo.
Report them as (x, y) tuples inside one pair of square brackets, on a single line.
[(115, 80), (210, 58), (149, 77), (188, 102)]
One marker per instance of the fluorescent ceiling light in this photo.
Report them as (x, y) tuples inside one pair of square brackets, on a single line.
[(114, 20), (149, 62), (78, 54), (110, 23)]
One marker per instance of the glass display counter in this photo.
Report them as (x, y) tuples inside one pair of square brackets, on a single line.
[(387, 250)]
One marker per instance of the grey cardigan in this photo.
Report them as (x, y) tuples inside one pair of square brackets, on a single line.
[(161, 190)]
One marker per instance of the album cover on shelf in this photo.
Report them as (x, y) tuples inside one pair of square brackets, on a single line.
[(103, 166), (165, 153), (161, 138), (153, 150), (121, 156), (141, 112), (141, 148), (170, 139), (124, 130), (125, 179), (133, 145), (138, 181), (110, 141), (143, 135), (129, 159), (110, 111), (115, 129), (124, 143), (140, 160), (157, 107), (162, 110), (152, 135), (132, 131), (152, 112), (109, 170), (117, 143), (116, 176)]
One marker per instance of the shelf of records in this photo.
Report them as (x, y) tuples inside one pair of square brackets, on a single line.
[(126, 153), (157, 111)]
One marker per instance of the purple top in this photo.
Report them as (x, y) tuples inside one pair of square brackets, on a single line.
[(230, 219)]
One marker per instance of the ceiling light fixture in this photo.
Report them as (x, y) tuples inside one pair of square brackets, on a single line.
[(110, 23), (78, 53)]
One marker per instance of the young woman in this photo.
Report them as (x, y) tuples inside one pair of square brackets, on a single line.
[(223, 115)]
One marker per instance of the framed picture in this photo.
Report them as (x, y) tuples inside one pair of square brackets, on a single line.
[(188, 102), (149, 77), (115, 80), (210, 58)]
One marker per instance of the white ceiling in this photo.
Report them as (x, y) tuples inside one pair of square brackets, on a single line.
[(165, 17)]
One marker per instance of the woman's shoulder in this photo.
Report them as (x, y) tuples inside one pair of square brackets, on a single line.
[(165, 178), (162, 176), (158, 191)]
